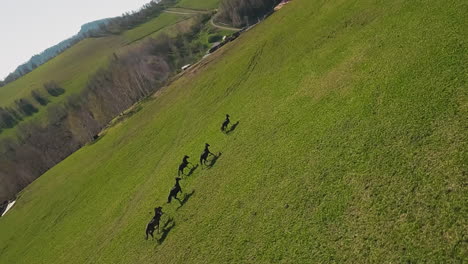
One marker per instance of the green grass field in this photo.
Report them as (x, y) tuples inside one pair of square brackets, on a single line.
[(199, 4), (351, 148), (155, 25)]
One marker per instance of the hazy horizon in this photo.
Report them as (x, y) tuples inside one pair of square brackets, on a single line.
[(29, 27)]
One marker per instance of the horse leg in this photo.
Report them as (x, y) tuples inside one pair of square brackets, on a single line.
[(148, 231), (177, 197)]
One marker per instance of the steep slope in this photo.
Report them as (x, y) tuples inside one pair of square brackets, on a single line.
[(351, 147)]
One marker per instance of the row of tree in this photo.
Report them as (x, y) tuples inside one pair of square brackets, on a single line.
[(129, 78), (11, 116), (131, 19), (241, 13)]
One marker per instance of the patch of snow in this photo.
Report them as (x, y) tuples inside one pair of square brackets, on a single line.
[(9, 206)]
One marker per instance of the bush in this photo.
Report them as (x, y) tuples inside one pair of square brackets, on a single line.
[(25, 107), (39, 98), (53, 88), (214, 38), (7, 119)]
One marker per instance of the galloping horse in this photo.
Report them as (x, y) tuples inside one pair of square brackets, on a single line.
[(225, 123), (174, 191), (205, 154), (154, 222), (184, 165)]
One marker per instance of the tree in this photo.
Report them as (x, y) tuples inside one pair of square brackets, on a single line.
[(25, 107), (7, 120), (53, 88), (241, 13), (39, 98)]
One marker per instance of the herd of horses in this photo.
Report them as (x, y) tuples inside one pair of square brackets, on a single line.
[(176, 189)]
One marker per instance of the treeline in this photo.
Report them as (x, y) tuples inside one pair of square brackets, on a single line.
[(130, 77), (98, 28), (131, 19), (241, 13)]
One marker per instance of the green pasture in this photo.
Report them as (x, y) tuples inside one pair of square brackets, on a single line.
[(350, 148)]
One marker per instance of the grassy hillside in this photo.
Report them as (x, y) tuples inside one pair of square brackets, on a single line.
[(351, 147)]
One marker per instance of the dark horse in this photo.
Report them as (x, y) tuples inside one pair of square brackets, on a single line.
[(174, 191), (205, 154), (184, 165), (225, 123), (154, 222)]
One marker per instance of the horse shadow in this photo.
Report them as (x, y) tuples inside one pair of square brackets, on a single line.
[(186, 198), (214, 160), (232, 128), (168, 226), (192, 170)]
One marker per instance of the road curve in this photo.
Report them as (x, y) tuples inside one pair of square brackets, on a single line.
[(192, 12)]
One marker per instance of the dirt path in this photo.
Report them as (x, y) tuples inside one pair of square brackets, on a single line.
[(223, 27), (183, 11)]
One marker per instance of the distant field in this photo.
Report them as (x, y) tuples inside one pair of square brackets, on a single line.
[(351, 148), (153, 26), (199, 4)]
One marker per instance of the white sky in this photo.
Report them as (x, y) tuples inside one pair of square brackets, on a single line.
[(28, 27)]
